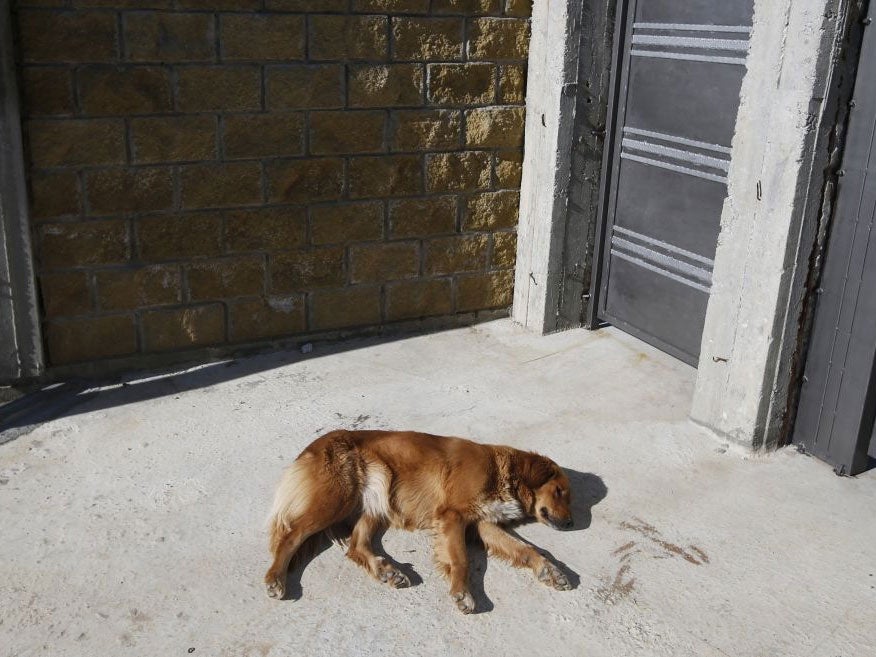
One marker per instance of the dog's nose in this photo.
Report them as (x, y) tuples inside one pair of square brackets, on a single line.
[(569, 524)]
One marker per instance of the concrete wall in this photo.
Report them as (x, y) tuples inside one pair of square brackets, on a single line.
[(215, 172)]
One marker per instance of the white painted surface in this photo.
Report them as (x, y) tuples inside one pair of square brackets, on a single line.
[(135, 525), (753, 304)]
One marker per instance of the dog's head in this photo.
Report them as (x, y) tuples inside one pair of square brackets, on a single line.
[(543, 490)]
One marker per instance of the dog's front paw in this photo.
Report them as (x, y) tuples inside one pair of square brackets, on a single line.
[(553, 576), (392, 576), (275, 587), (464, 602)]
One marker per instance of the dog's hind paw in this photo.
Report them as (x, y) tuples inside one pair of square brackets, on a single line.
[(395, 578), (553, 576), (275, 588), (464, 602)]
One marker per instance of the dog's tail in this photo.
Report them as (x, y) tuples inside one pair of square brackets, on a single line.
[(293, 496), (292, 500)]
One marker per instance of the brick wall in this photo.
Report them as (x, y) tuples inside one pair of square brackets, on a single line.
[(206, 172)]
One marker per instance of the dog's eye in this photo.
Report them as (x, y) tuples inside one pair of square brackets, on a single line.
[(558, 492)]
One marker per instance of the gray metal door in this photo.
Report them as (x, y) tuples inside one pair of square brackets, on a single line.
[(835, 417), (680, 70)]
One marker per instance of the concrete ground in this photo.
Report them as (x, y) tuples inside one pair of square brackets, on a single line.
[(134, 525)]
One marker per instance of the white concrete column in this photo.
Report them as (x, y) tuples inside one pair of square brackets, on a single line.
[(750, 329), (553, 63)]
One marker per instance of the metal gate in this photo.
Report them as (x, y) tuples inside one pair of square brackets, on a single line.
[(835, 417), (678, 73)]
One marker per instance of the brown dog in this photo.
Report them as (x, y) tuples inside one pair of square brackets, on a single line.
[(417, 481)]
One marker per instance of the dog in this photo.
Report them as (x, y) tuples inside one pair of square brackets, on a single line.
[(409, 480)]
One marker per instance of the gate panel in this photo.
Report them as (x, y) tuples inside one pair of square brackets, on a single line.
[(835, 417), (681, 71)]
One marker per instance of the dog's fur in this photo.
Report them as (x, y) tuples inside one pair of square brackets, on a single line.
[(417, 481)]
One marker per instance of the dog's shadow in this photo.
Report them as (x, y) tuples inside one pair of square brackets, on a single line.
[(321, 543), (478, 563), (294, 590), (588, 490), (477, 570), (406, 568)]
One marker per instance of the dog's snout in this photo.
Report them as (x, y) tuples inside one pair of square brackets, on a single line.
[(568, 524)]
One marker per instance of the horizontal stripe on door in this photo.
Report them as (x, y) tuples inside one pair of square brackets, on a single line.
[(738, 61), (658, 270), (675, 265), (674, 167), (695, 43), (672, 139), (669, 153), (699, 43), (664, 246), (691, 27)]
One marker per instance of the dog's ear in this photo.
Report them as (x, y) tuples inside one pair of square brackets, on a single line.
[(534, 470), (531, 471)]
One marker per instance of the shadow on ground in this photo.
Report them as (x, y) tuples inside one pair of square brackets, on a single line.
[(203, 369), (588, 490)]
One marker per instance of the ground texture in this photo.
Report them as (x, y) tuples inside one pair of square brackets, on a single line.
[(133, 525)]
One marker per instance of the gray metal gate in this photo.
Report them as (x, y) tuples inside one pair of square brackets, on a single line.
[(678, 74), (835, 417)]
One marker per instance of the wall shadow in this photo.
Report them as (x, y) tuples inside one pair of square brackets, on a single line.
[(202, 370)]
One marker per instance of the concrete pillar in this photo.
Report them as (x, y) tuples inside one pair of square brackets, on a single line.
[(751, 323), (550, 112)]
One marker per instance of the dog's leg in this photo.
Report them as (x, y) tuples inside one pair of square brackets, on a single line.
[(362, 553), (284, 548), (452, 559), (285, 543), (522, 555)]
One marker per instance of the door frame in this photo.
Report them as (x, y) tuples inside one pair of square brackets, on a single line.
[(617, 89), (569, 73), (21, 351)]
